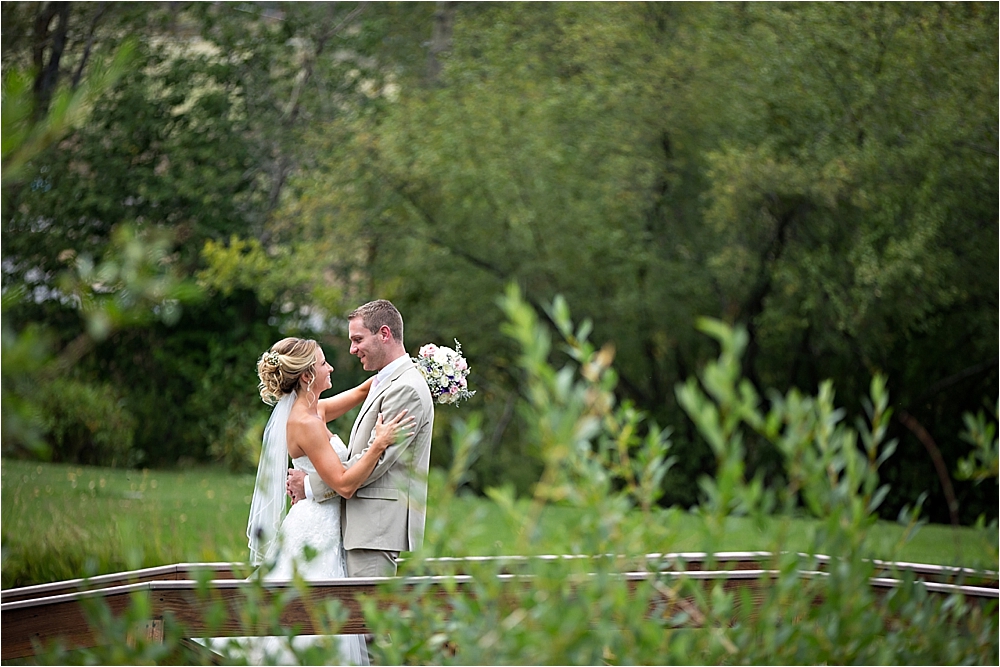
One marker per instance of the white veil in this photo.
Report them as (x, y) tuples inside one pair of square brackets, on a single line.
[(267, 508)]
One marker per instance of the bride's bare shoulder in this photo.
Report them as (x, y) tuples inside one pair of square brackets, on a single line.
[(304, 425)]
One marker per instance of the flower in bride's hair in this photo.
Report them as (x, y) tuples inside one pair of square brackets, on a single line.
[(446, 372), (273, 358)]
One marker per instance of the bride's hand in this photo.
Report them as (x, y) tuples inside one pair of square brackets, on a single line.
[(386, 433)]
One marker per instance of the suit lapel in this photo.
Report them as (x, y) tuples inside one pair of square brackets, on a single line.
[(366, 406)]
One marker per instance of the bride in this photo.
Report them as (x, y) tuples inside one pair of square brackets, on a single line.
[(308, 541)]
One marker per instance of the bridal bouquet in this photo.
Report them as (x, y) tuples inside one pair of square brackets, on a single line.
[(446, 372)]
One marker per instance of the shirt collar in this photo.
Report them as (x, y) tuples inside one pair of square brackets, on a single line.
[(390, 368)]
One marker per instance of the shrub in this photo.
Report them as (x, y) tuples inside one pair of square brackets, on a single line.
[(238, 445), (602, 459), (87, 423), (606, 460)]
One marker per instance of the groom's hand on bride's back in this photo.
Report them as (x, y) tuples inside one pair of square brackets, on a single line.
[(295, 486)]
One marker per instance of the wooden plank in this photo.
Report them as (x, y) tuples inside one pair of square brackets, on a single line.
[(688, 561), (44, 613), (736, 560), (160, 573), (946, 574), (46, 619), (186, 607), (56, 618), (62, 617)]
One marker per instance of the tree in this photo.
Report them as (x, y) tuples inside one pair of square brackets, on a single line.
[(823, 175), (79, 419), (766, 165), (196, 142)]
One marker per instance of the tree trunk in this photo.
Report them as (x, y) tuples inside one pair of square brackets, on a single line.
[(444, 21), (47, 72)]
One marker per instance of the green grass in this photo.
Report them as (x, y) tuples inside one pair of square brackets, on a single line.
[(676, 530), (65, 521)]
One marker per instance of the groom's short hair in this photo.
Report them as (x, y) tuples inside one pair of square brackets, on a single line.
[(377, 314)]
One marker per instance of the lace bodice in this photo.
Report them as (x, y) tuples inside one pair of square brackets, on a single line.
[(303, 463)]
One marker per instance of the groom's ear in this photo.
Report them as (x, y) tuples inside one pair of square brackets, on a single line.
[(385, 333)]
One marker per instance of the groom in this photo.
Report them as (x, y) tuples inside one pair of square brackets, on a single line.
[(386, 515)]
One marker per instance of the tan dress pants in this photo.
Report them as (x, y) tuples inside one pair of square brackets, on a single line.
[(371, 563)]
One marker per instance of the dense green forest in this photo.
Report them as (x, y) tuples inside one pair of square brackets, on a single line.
[(823, 174)]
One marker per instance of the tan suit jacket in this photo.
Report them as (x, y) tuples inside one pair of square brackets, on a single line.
[(388, 512)]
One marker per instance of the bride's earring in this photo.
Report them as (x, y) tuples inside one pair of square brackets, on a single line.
[(308, 389)]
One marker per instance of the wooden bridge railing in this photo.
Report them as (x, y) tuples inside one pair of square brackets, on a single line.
[(36, 615)]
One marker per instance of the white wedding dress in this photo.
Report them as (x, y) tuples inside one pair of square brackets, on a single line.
[(311, 525), (308, 527)]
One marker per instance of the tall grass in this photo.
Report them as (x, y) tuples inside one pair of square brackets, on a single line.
[(65, 521)]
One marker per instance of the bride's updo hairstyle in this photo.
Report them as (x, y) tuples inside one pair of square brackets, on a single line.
[(281, 367)]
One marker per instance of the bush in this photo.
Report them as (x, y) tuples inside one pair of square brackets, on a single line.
[(87, 423), (238, 445), (607, 461)]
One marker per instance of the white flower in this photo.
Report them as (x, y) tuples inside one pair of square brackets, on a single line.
[(446, 371)]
